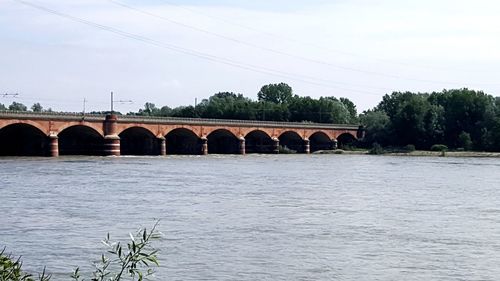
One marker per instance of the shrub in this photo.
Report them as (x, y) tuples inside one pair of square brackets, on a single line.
[(11, 270), (464, 140), (439, 147), (376, 149), (409, 148), (131, 262)]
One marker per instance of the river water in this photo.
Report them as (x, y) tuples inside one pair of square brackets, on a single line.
[(261, 217)]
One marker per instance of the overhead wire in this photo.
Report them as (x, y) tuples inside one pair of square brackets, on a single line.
[(250, 67), (234, 40), (317, 46)]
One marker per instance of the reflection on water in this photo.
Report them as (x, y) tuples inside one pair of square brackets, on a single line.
[(258, 217)]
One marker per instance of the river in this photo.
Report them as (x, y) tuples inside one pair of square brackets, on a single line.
[(260, 217)]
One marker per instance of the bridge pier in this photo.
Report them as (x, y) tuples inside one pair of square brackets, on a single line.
[(276, 145), (54, 145), (163, 146), (307, 146), (334, 144), (111, 139), (204, 146), (111, 145), (242, 146)]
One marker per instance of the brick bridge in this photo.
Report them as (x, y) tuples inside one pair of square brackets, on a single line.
[(54, 134)]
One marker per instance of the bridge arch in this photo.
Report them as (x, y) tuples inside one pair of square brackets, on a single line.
[(138, 140), (258, 141), (40, 127), (345, 139), (182, 141), (291, 140), (222, 141), (80, 140), (320, 141), (23, 139), (98, 128)]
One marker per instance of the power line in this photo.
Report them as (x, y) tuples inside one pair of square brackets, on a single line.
[(234, 40), (150, 41), (320, 47), (10, 95)]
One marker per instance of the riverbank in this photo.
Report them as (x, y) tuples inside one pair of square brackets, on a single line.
[(418, 153)]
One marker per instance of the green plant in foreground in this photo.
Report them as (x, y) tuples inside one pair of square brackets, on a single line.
[(132, 262), (11, 270)]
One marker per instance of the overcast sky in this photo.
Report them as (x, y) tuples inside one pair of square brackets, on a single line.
[(170, 52)]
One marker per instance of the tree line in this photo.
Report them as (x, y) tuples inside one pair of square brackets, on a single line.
[(17, 106), (275, 102), (459, 119)]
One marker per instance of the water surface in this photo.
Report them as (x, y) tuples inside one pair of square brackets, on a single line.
[(261, 217)]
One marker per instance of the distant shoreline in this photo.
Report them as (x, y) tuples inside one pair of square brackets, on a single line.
[(418, 153)]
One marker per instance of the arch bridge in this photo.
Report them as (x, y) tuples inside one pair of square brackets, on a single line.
[(54, 134)]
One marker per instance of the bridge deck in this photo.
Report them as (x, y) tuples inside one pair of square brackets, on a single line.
[(170, 120)]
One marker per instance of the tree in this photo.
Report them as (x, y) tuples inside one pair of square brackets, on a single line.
[(466, 111), (150, 109), (377, 126), (275, 93), (165, 111), (464, 140), (16, 106), (351, 107), (408, 123), (37, 107), (184, 111), (2, 107)]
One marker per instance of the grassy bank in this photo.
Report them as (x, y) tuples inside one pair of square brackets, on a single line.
[(418, 153)]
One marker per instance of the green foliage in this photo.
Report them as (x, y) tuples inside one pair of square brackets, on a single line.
[(439, 117), (377, 125), (376, 149), (150, 109), (133, 262), (2, 107), (275, 103), (351, 107), (439, 147), (17, 106), (37, 107), (275, 93), (409, 148), (11, 270), (464, 141)]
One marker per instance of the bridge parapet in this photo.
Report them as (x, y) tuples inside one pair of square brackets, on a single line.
[(70, 116)]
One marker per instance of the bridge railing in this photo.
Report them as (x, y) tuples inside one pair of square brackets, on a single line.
[(176, 120)]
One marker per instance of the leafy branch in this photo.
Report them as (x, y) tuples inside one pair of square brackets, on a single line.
[(134, 261)]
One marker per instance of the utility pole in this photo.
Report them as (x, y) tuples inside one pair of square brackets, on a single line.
[(84, 102), (195, 104), (117, 101), (111, 102)]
